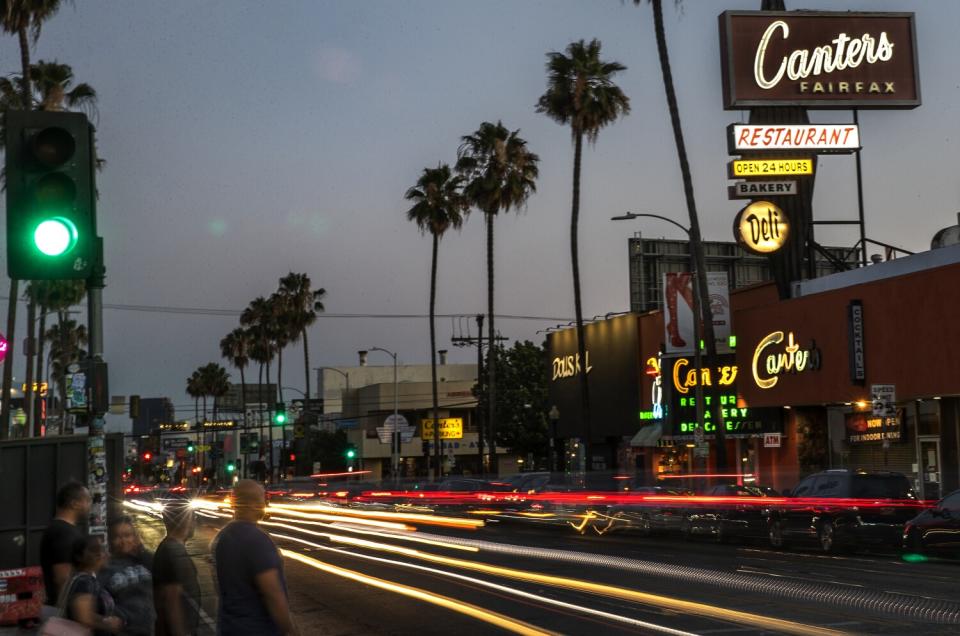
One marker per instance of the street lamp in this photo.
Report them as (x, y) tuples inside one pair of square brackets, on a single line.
[(346, 390), (702, 316), (396, 408)]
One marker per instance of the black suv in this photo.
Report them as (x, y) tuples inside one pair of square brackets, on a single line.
[(885, 503)]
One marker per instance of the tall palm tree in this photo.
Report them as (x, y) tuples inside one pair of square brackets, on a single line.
[(18, 17), (258, 318), (499, 174), (279, 331), (581, 93), (696, 243), (438, 206), (235, 347), (303, 303), (195, 390), (216, 383)]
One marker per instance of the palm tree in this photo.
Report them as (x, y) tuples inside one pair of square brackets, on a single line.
[(303, 304), (235, 347), (258, 319), (279, 330), (581, 94), (438, 206), (216, 383), (696, 243), (195, 390), (19, 16), (499, 174)]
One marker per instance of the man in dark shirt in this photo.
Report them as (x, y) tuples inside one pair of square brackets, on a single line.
[(59, 538), (176, 590), (253, 591)]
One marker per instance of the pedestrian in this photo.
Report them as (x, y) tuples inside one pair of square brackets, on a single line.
[(176, 590), (253, 591), (128, 579), (60, 536), (87, 601)]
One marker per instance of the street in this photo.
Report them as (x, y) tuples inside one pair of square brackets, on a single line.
[(356, 575)]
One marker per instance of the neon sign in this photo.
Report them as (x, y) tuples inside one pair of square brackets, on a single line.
[(569, 366), (3, 348), (654, 367), (684, 381), (793, 359)]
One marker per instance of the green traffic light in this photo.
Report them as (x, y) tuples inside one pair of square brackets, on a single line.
[(55, 236), (231, 468), (190, 448), (351, 453), (280, 418)]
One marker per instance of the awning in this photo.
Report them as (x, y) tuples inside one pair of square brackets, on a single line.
[(647, 436)]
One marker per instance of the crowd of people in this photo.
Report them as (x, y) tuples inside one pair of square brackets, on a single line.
[(123, 588)]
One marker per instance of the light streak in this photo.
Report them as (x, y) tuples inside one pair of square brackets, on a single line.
[(319, 516), (503, 588), (493, 618), (453, 522), (688, 607), (336, 537), (350, 473)]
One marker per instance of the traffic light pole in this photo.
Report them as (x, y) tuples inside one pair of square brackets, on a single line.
[(96, 446)]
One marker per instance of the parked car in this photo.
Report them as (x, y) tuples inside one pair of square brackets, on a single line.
[(936, 530), (725, 521), (647, 517), (885, 504)]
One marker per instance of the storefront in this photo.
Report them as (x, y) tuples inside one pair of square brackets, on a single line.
[(865, 366)]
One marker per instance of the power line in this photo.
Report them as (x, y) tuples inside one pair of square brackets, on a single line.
[(208, 311)]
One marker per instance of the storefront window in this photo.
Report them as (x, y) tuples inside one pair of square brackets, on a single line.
[(928, 417)]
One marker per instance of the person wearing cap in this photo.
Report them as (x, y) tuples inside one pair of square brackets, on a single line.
[(176, 590), (252, 587)]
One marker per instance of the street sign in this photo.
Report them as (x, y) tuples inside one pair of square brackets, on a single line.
[(771, 440), (756, 189), (77, 392), (884, 400), (175, 442), (391, 425)]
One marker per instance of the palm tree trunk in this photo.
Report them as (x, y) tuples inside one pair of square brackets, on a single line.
[(25, 66), (491, 348), (577, 303), (696, 244), (438, 472), (37, 421), (306, 364), (31, 352), (280, 371), (243, 418)]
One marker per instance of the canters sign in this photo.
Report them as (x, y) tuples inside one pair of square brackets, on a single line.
[(778, 355), (819, 59), (761, 228)]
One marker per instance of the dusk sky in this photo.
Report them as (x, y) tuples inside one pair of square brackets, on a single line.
[(245, 140)]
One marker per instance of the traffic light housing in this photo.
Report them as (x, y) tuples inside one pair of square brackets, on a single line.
[(190, 448), (231, 467), (147, 456), (51, 226), (351, 452), (280, 414), (134, 407)]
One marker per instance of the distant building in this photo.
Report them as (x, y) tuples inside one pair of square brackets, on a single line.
[(153, 412), (650, 259)]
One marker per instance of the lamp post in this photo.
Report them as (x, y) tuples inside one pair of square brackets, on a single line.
[(396, 414), (702, 316), (320, 383)]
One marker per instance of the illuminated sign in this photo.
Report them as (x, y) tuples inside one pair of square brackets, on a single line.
[(4, 346), (819, 59), (450, 428), (569, 366), (864, 427), (654, 366), (770, 167), (754, 189), (769, 363), (220, 424), (40, 388), (761, 228), (735, 415), (814, 137), (175, 426), (685, 378)]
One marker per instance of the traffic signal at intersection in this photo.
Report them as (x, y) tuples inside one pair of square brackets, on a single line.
[(280, 414), (51, 225)]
